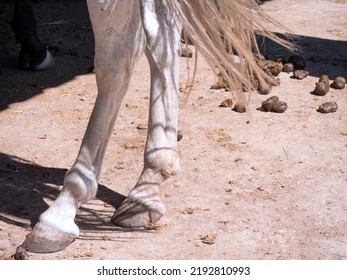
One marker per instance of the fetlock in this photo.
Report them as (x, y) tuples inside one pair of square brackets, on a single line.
[(166, 162), (81, 183)]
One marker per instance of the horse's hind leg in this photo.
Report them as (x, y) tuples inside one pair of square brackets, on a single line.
[(143, 205), (119, 42)]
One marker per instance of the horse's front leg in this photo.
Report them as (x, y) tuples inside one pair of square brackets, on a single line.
[(56, 228), (119, 40), (143, 205)]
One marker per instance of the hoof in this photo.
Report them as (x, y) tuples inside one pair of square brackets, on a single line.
[(47, 63), (133, 214), (47, 239), (34, 55)]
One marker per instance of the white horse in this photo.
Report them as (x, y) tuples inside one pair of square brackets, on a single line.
[(123, 30)]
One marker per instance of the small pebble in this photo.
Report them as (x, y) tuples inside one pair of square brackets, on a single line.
[(321, 89), (264, 89), (179, 135), (240, 107), (279, 107), (21, 253), (226, 103), (327, 107), (267, 104), (273, 104), (142, 126), (325, 79), (280, 60), (300, 74), (185, 52), (288, 67), (271, 67), (339, 83)]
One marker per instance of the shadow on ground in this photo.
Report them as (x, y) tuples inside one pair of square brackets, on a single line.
[(25, 187), (323, 56), (64, 26)]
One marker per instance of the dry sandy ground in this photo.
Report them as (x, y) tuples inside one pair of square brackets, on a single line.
[(258, 185)]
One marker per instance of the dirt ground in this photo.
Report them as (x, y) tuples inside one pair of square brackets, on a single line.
[(253, 186)]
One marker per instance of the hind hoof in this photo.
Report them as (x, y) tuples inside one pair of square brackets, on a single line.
[(34, 55), (133, 214), (47, 239), (47, 63)]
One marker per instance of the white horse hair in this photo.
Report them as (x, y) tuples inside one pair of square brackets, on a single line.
[(123, 30)]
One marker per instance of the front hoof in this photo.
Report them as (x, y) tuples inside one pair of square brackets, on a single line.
[(132, 214), (47, 239)]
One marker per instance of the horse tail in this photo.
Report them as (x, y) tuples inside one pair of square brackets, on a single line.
[(224, 31)]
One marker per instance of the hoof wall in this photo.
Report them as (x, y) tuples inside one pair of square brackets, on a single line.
[(47, 239), (134, 215)]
